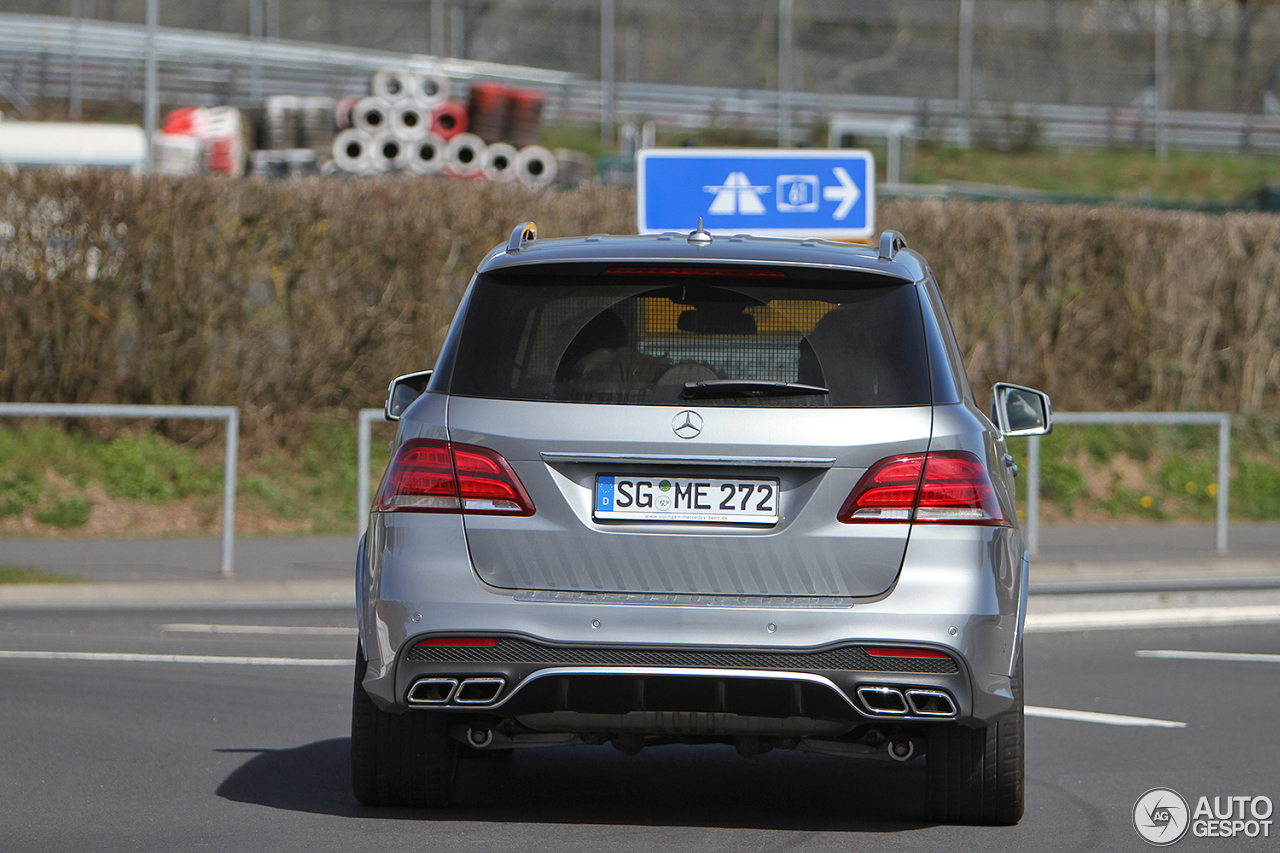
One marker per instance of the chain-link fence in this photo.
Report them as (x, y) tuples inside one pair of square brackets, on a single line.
[(1216, 56)]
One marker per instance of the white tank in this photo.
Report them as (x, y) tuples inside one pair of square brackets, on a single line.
[(112, 146)]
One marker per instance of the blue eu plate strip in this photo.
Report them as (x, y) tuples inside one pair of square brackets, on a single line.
[(604, 494)]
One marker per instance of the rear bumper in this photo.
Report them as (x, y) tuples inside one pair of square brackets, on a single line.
[(415, 582), (520, 677)]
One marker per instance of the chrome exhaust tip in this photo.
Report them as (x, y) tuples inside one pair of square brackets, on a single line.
[(432, 691), (479, 691), (931, 703), (883, 701)]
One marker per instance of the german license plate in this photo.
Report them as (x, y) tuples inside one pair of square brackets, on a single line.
[(713, 500)]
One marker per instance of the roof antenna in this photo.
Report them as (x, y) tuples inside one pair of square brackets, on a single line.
[(700, 237)]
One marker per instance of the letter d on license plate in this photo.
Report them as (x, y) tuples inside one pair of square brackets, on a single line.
[(710, 500)]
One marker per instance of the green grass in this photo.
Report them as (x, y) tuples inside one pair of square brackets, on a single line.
[(1122, 173), (312, 487), (20, 574), (1126, 174), (67, 514)]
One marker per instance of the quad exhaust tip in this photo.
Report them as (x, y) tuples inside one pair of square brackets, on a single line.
[(479, 691), (433, 691), (454, 691), (930, 703), (888, 701)]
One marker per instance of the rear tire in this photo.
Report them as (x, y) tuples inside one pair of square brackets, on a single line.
[(976, 776), (405, 760)]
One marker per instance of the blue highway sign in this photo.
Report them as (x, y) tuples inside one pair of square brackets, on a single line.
[(772, 192)]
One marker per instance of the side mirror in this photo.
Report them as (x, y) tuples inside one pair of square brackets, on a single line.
[(1021, 411), (402, 391)]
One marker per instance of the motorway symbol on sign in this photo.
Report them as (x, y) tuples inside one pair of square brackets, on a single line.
[(782, 192)]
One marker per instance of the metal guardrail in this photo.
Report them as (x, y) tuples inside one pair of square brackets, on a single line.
[(1221, 419), (39, 55), (230, 414)]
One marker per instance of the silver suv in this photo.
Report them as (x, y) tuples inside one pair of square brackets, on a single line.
[(696, 489)]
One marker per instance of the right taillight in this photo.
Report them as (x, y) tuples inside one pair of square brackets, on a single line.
[(440, 476), (940, 487)]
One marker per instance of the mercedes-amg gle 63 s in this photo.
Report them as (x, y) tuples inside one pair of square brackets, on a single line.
[(685, 488)]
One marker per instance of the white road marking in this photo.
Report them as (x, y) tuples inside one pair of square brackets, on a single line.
[(1103, 719), (1174, 654), (197, 628), (1156, 617), (201, 659)]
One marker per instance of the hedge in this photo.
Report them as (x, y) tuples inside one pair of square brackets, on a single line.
[(292, 298)]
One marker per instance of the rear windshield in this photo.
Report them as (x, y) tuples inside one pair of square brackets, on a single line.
[(626, 335)]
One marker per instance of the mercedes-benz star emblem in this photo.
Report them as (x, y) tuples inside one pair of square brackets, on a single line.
[(687, 424)]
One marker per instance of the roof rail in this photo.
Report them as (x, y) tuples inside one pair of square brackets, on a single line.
[(890, 243), (525, 232)]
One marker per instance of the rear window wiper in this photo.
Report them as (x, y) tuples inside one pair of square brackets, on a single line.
[(748, 388)]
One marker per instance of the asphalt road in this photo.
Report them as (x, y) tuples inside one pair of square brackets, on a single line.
[(174, 752)]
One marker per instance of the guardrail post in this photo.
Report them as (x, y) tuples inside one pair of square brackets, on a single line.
[(608, 93), (255, 39), (363, 435), (964, 76), (227, 567), (1224, 481), (151, 87), (786, 65), (1033, 495)]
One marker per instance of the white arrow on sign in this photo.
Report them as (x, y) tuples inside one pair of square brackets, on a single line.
[(847, 193)]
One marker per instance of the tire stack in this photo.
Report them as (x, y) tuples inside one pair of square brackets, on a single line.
[(293, 132), (407, 123)]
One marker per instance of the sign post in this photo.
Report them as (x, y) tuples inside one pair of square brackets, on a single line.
[(764, 192)]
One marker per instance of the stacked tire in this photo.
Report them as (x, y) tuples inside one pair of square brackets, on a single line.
[(408, 123)]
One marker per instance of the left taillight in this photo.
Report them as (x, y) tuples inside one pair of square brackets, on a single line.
[(940, 487), (427, 475)]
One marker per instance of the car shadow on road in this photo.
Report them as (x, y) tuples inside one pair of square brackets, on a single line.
[(704, 786)]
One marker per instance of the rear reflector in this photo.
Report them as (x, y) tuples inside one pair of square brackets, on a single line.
[(940, 487), (458, 642), (440, 476), (900, 652)]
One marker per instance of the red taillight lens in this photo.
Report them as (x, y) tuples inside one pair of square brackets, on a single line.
[(439, 476), (942, 487), (887, 492)]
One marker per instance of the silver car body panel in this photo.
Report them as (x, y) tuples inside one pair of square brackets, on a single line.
[(805, 583), (807, 553)]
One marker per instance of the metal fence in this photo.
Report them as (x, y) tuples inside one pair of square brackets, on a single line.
[(1220, 419), (1069, 52), (1003, 73), (230, 414)]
